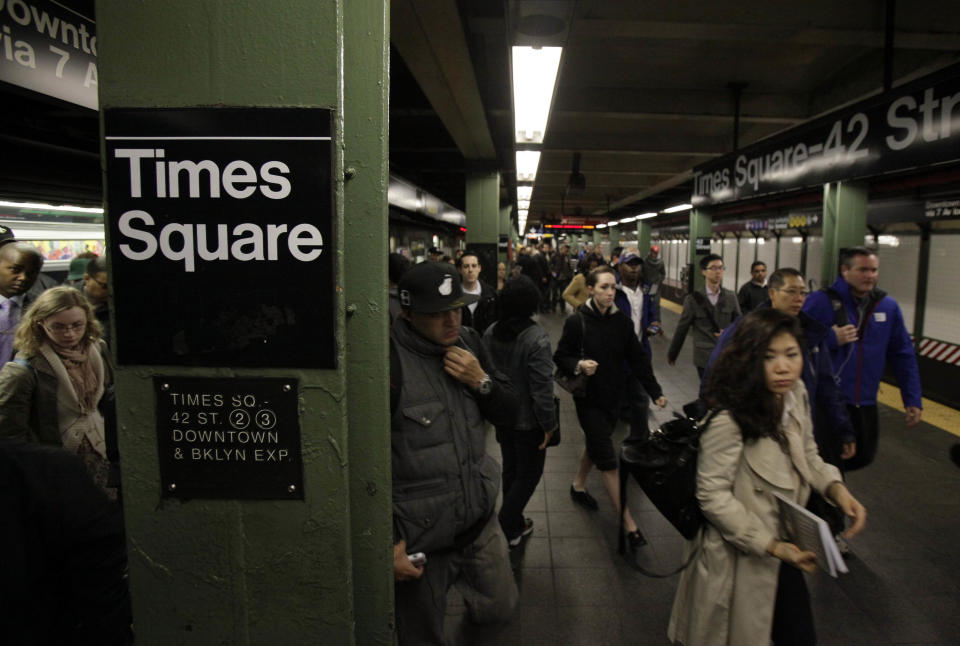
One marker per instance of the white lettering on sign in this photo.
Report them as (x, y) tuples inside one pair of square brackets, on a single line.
[(184, 242), (238, 178)]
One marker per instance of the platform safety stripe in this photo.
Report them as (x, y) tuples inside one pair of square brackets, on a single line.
[(940, 351)]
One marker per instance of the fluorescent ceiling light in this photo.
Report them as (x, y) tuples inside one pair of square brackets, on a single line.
[(523, 204), (645, 216), (524, 192), (628, 220), (527, 162), (522, 213), (51, 207), (678, 207), (601, 226), (534, 77)]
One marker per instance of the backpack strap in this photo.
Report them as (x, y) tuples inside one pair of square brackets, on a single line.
[(839, 311)]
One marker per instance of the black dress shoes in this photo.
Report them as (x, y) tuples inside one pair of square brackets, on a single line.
[(583, 498)]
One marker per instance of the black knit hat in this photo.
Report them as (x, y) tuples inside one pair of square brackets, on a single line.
[(433, 287)]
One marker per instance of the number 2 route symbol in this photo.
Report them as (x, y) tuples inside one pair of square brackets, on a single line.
[(239, 419)]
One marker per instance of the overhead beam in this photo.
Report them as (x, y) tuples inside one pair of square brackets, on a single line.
[(673, 182), (593, 29), (428, 35)]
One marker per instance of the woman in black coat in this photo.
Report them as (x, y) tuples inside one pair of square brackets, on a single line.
[(599, 341)]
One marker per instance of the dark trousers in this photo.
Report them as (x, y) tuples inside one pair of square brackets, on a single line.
[(522, 469), (866, 424), (792, 617)]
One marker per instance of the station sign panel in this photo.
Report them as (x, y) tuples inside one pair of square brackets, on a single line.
[(234, 438), (49, 48), (911, 126), (221, 236)]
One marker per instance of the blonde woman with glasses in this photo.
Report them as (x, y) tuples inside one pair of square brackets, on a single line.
[(51, 392)]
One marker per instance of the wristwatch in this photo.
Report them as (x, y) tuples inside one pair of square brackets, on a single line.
[(486, 385)]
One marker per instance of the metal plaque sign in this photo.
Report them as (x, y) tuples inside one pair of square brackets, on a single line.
[(229, 438), (910, 126), (221, 236)]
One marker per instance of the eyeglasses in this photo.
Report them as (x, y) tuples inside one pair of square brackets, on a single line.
[(794, 293), (60, 328), (715, 268)]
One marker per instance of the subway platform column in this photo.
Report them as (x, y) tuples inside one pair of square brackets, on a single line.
[(250, 316), (483, 219), (844, 224), (701, 224)]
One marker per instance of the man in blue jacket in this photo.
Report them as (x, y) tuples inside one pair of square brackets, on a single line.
[(634, 300), (868, 331)]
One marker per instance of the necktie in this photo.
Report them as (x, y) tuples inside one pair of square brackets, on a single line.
[(8, 326)]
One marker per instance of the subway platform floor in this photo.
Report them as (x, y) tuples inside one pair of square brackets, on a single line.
[(903, 587)]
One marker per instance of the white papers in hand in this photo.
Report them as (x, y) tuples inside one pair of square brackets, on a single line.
[(810, 532)]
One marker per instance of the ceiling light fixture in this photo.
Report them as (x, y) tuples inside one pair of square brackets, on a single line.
[(678, 207), (534, 79), (527, 162)]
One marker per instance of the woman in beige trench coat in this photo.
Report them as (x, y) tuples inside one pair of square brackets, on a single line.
[(761, 444)]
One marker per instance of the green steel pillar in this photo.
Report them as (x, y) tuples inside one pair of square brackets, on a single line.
[(614, 237), (844, 224), (483, 219), (505, 229), (644, 231), (700, 227), (241, 571)]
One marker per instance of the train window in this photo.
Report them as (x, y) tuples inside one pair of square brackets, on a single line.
[(943, 293), (899, 259)]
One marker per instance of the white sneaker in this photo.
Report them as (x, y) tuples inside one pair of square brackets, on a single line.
[(527, 530)]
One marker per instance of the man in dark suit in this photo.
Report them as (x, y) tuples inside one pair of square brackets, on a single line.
[(20, 265)]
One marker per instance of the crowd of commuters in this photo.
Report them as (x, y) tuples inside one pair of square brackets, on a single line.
[(794, 377), (794, 382)]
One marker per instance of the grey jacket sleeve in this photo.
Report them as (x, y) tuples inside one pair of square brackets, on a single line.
[(686, 320), (540, 377)]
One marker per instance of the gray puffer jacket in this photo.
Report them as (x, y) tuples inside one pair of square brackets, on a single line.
[(444, 483)]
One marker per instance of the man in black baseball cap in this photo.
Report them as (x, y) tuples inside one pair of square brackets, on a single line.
[(443, 389)]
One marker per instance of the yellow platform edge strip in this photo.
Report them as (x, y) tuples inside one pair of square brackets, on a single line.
[(934, 414)]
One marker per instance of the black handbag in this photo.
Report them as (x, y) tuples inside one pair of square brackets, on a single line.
[(664, 464), (576, 385)]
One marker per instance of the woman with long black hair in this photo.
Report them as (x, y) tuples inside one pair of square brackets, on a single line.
[(599, 341), (745, 585)]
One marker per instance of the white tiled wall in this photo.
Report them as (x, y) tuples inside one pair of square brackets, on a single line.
[(730, 262), (747, 249), (942, 316), (767, 252), (789, 252), (899, 266)]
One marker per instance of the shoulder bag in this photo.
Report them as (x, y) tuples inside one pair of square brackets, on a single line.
[(576, 385)]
